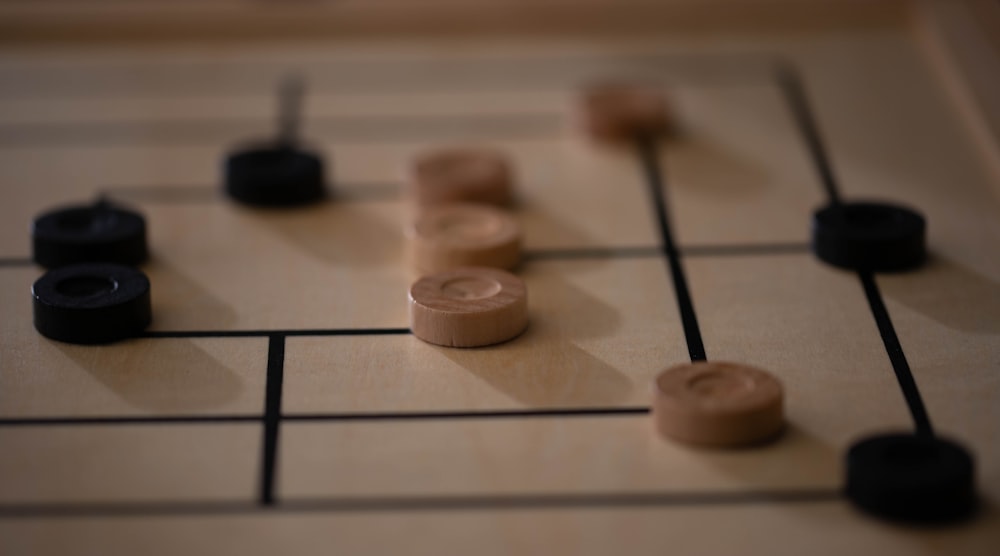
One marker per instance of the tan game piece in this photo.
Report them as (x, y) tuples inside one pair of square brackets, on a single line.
[(718, 404), (476, 175), (468, 307), (618, 111), (463, 234)]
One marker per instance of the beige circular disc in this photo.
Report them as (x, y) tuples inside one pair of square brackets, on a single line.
[(618, 111), (476, 175), (454, 235), (468, 307), (718, 404)]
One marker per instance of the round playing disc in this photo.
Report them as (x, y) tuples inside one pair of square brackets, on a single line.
[(911, 478), (869, 236), (89, 233), (91, 303), (274, 176), (461, 234), (461, 174), (622, 111), (468, 307), (718, 404)]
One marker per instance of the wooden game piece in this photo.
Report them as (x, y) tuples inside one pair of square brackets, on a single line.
[(718, 404), (912, 478), (869, 236), (279, 173), (463, 234), (100, 232), (468, 307), (449, 175), (614, 112), (93, 303)]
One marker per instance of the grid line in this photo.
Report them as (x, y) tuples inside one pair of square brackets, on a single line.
[(791, 85)]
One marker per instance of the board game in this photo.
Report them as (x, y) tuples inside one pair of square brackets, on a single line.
[(278, 402)]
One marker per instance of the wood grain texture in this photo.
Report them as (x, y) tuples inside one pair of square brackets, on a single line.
[(540, 445)]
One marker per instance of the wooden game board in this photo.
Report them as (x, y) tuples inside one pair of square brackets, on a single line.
[(278, 403)]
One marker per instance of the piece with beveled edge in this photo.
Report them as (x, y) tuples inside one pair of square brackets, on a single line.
[(868, 235), (468, 307), (93, 303), (911, 478), (718, 404)]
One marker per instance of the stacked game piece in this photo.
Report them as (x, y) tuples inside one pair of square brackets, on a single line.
[(280, 172), (453, 235), (869, 236), (617, 112), (92, 294), (462, 242)]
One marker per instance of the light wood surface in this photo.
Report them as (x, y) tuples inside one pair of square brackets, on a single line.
[(279, 403)]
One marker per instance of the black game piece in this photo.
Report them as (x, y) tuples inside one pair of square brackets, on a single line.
[(281, 173), (869, 236), (100, 232), (905, 477), (93, 303)]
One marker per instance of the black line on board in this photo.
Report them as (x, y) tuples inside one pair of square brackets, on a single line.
[(197, 194), (587, 253), (575, 253), (428, 503), (320, 417), (746, 250), (557, 254), (272, 416), (358, 129), (470, 414), (164, 193), (268, 333), (896, 356), (655, 180), (16, 262), (795, 94), (127, 420)]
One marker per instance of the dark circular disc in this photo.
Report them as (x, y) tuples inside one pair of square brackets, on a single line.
[(869, 236), (92, 303), (911, 478), (274, 176), (89, 234)]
